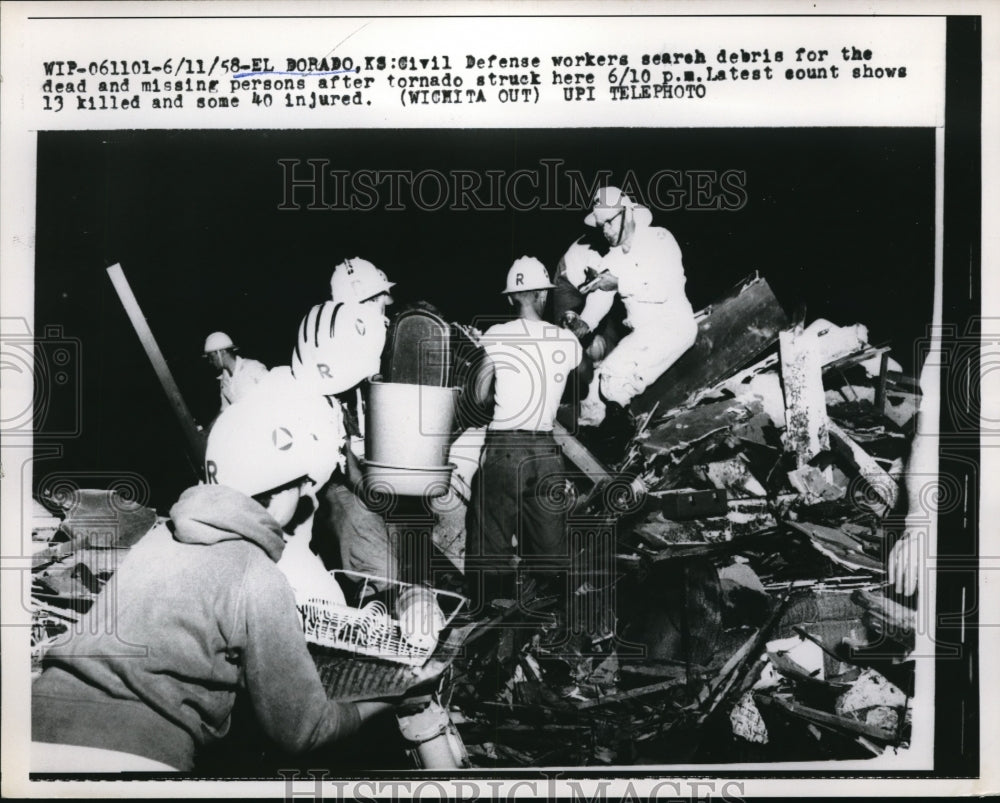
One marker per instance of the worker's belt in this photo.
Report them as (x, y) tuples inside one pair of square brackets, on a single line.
[(518, 433)]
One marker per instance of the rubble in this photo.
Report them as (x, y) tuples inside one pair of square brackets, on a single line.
[(738, 614), (817, 486), (731, 333), (777, 473), (81, 536), (806, 422)]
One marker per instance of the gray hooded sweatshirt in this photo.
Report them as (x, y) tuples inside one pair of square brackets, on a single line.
[(189, 617)]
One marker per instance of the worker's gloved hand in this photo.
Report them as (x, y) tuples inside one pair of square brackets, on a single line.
[(427, 678), (905, 562), (577, 326), (598, 348), (602, 281), (471, 331)]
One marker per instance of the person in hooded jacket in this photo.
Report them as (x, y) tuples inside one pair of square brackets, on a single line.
[(197, 611)]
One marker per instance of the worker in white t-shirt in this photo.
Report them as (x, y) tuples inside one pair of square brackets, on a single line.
[(514, 507), (643, 267)]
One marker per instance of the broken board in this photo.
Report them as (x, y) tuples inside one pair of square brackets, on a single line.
[(580, 456), (878, 479), (731, 333), (806, 423)]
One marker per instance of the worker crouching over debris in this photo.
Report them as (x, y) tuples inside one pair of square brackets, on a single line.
[(515, 503), (643, 267), (197, 611)]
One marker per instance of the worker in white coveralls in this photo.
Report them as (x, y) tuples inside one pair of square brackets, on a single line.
[(196, 612), (237, 374), (339, 346), (514, 508), (643, 267)]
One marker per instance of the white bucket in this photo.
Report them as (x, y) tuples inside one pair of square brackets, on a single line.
[(409, 425), (431, 482)]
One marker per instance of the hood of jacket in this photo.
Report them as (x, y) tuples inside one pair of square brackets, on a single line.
[(208, 514)]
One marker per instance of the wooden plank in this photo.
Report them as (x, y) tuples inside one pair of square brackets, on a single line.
[(806, 422), (883, 378), (842, 724), (902, 382), (742, 663), (194, 439), (731, 333), (881, 483), (580, 456), (793, 671), (632, 694), (853, 359)]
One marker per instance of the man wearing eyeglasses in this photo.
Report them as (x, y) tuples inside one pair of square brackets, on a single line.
[(643, 267)]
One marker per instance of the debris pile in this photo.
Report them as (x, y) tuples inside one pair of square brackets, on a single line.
[(725, 600), (740, 614), (79, 537)]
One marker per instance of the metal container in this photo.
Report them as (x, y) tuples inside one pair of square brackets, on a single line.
[(432, 482), (409, 425)]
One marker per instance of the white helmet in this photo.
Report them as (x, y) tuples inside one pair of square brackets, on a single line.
[(358, 280), (338, 345), (527, 273), (267, 440), (217, 341), (325, 420), (607, 202)]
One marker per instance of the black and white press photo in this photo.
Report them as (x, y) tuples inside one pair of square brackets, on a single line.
[(594, 454)]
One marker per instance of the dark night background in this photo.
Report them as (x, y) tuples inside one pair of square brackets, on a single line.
[(840, 220)]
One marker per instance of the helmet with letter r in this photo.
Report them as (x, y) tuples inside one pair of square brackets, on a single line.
[(338, 345)]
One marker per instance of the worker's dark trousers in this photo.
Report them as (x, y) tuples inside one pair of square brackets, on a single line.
[(518, 493), (361, 534)]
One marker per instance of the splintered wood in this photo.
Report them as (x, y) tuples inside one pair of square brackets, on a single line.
[(806, 422), (875, 476)]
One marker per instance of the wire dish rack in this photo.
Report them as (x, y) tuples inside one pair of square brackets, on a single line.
[(371, 629)]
